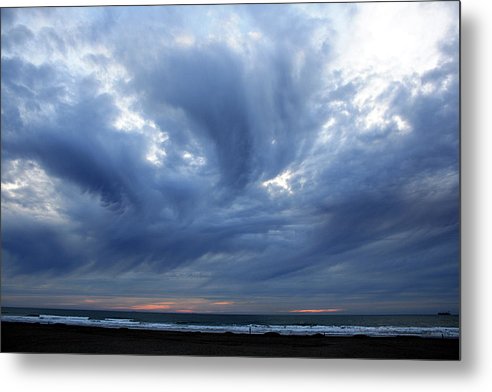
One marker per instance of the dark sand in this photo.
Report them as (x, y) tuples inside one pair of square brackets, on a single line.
[(40, 338)]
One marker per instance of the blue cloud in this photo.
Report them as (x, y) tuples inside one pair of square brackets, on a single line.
[(228, 160)]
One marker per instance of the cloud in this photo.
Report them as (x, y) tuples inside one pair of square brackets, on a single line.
[(270, 159)]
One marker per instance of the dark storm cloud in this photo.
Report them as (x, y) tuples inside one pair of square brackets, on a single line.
[(149, 208), (249, 108), (371, 212), (34, 247), (71, 148), (208, 86)]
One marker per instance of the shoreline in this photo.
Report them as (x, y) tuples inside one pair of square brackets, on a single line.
[(59, 338)]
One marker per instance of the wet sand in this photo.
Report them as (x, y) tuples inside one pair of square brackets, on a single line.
[(57, 338)]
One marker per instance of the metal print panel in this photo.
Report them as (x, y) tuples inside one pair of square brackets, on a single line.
[(275, 180)]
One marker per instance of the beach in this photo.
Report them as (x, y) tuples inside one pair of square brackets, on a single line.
[(57, 338)]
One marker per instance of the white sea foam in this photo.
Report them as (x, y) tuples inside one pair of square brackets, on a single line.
[(52, 318), (328, 330)]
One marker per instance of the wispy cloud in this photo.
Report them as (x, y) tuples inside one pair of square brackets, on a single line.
[(259, 157)]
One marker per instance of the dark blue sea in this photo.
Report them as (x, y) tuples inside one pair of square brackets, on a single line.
[(446, 326)]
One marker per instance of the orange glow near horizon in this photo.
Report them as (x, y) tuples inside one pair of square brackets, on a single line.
[(193, 305), (90, 301), (150, 307), (315, 310), (183, 305), (153, 306)]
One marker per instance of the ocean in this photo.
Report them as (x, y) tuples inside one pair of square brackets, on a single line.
[(445, 326)]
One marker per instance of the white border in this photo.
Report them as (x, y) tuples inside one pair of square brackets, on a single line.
[(142, 374)]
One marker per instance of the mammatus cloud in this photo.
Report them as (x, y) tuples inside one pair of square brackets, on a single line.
[(291, 158)]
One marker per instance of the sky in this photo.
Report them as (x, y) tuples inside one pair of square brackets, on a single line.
[(299, 158)]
